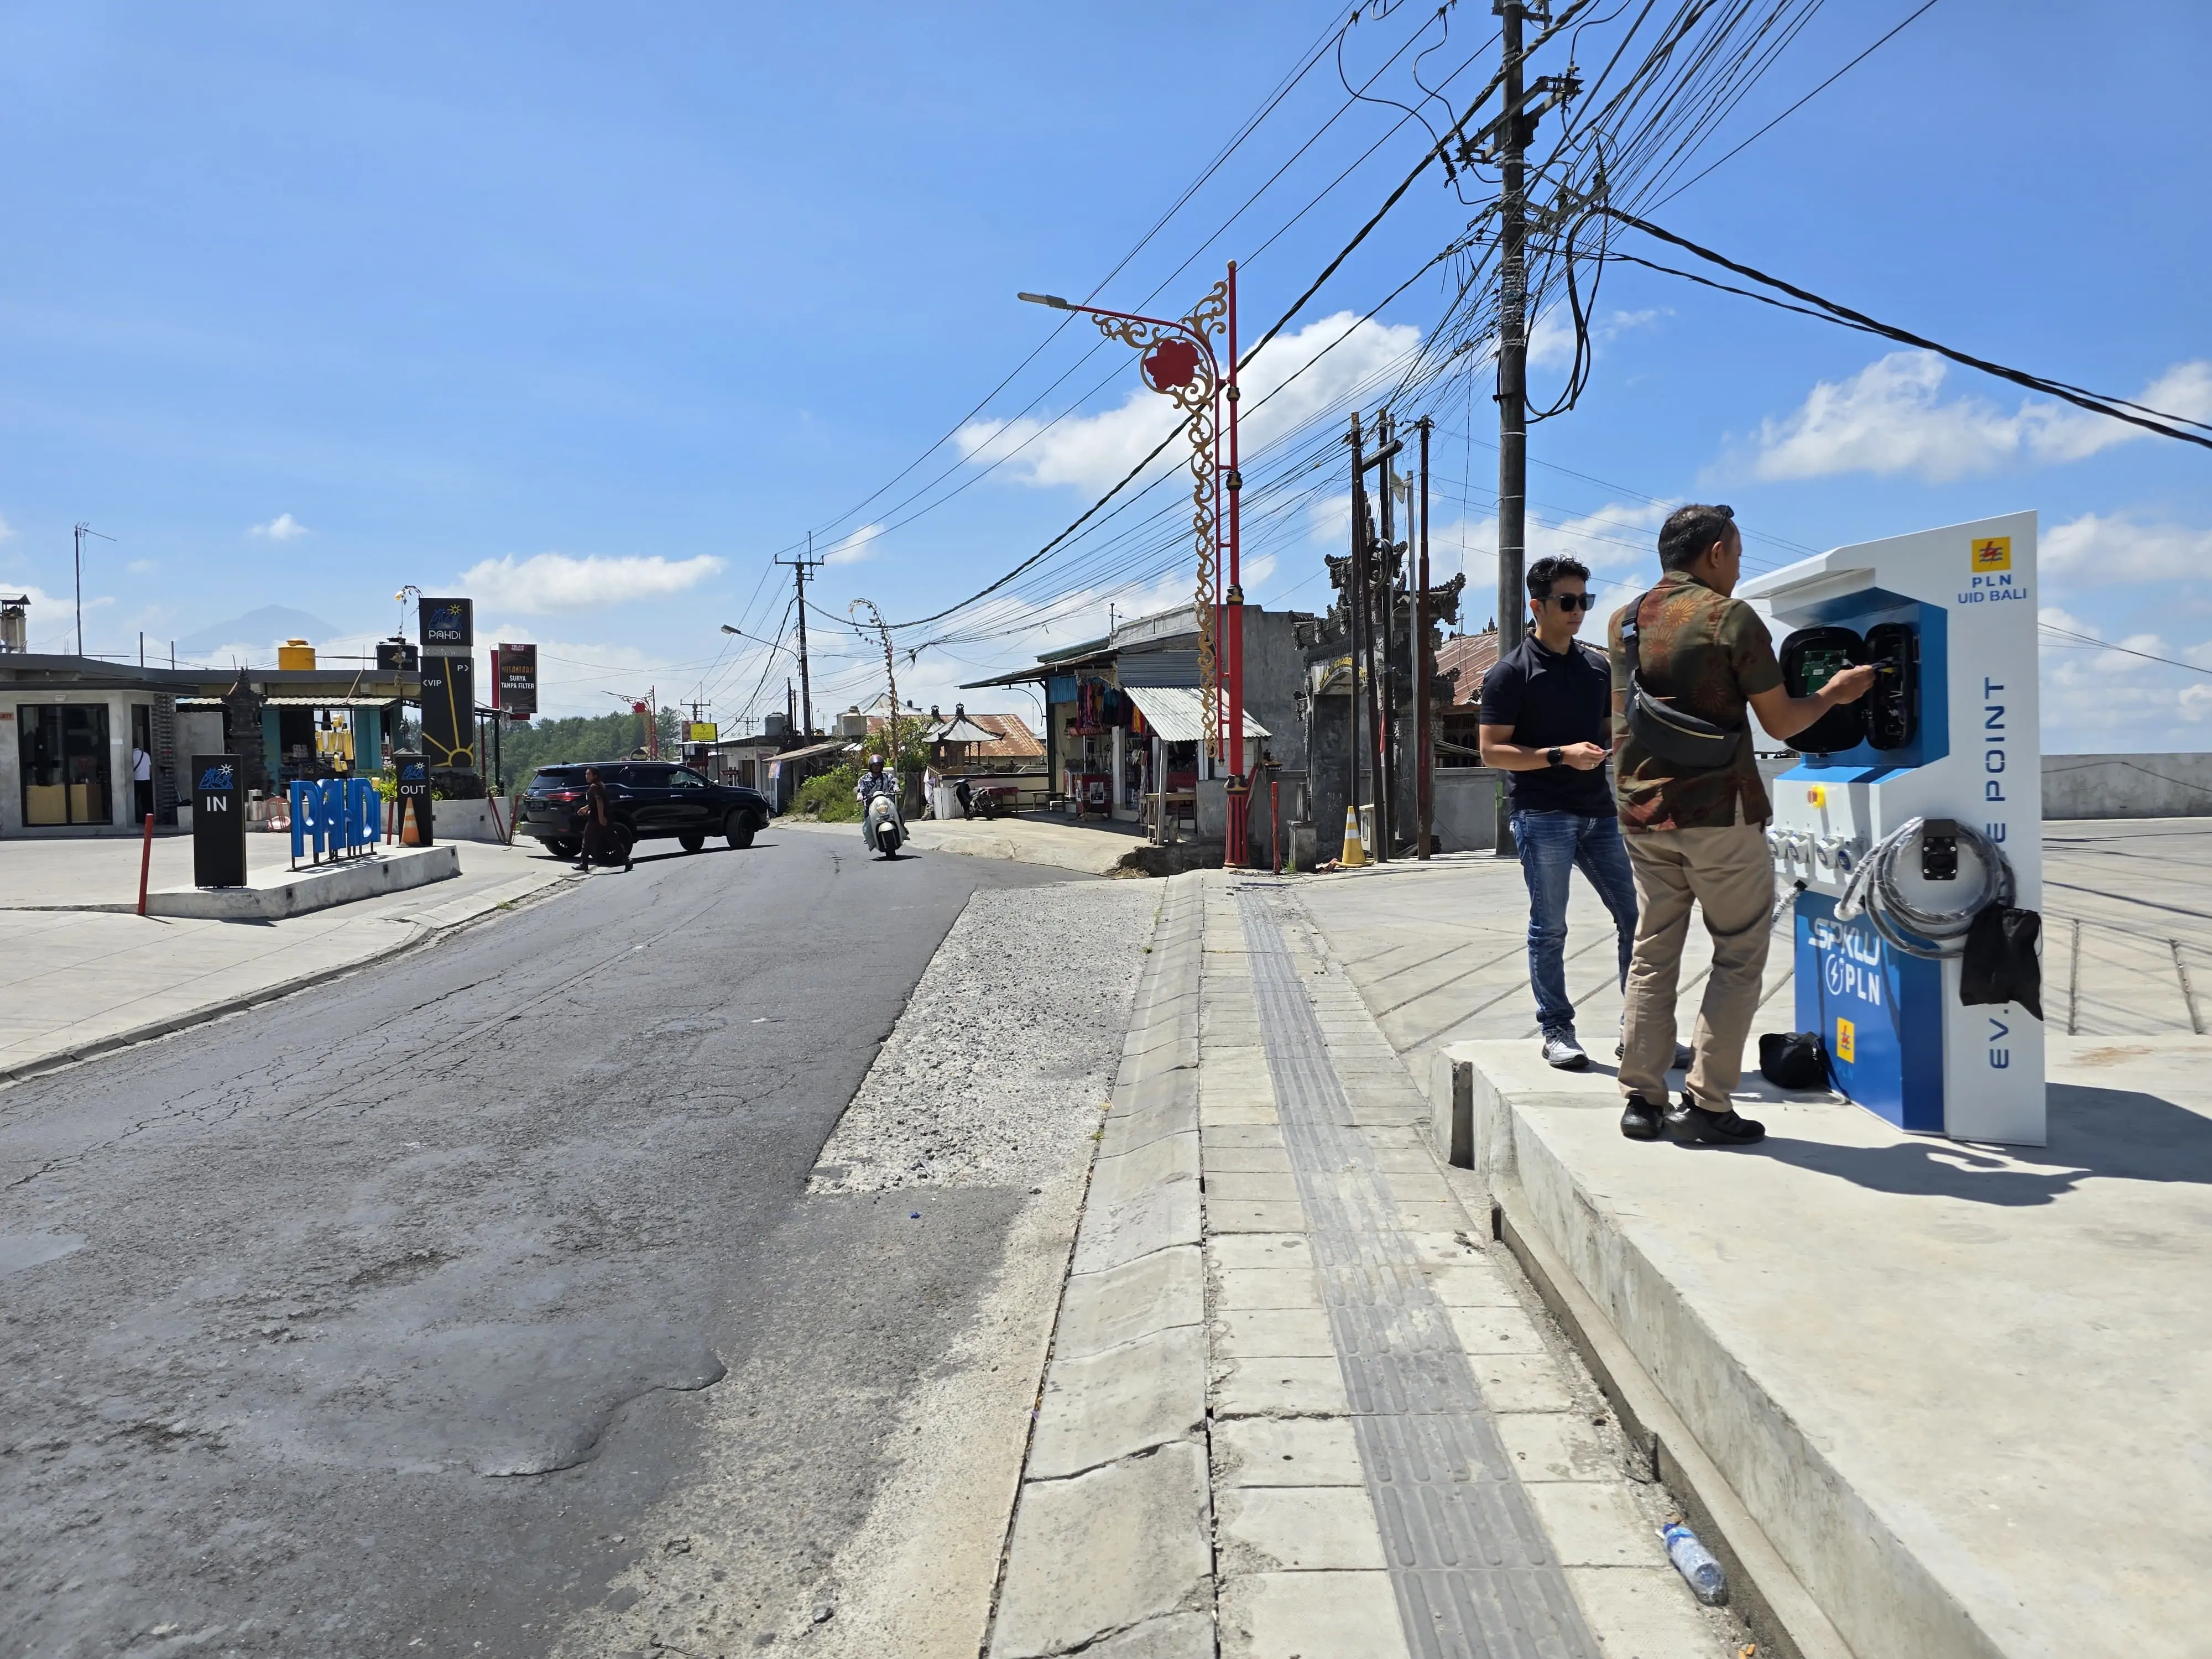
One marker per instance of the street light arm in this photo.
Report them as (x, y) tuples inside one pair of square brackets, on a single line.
[(1189, 328), (771, 644)]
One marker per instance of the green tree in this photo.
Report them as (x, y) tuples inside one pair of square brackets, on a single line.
[(581, 739), (829, 795)]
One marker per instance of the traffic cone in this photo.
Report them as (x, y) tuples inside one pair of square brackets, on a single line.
[(1355, 850)]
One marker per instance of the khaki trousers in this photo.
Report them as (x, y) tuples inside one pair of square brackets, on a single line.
[(1728, 872)]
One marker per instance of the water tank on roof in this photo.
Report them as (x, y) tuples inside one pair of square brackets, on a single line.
[(852, 724), (295, 653), (775, 725)]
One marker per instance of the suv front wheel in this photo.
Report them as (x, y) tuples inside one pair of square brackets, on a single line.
[(738, 828)]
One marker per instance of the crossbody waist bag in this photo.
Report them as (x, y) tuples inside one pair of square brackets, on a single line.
[(1672, 734)]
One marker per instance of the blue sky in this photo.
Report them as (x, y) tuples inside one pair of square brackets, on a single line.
[(590, 313)]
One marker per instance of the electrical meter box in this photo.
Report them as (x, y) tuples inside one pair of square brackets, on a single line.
[(1949, 734)]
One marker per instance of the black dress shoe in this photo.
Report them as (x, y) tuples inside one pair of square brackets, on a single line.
[(1690, 1122), (1640, 1119)]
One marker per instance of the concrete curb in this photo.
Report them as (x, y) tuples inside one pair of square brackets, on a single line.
[(1762, 1589), (277, 895), (1817, 1558), (254, 999), (1110, 1552)]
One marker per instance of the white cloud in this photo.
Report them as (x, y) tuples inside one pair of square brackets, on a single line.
[(1552, 342), (1889, 418), (2116, 548), (7, 531), (2095, 701), (140, 566), (556, 581), (281, 528), (52, 621), (855, 548), (1092, 452)]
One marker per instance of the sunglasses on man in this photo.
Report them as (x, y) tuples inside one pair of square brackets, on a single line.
[(1573, 601)]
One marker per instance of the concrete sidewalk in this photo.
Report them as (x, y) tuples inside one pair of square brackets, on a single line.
[(1943, 1391), (1439, 949), (1299, 1403), (76, 983)]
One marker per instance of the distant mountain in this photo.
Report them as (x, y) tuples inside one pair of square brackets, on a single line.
[(270, 625)]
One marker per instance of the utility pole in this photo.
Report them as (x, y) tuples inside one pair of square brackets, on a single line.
[(1367, 548), (1359, 573), (1512, 363), (82, 531), (1425, 747), (1386, 727), (891, 679), (799, 567)]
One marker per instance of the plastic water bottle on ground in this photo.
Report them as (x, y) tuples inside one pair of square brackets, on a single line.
[(1695, 1563)]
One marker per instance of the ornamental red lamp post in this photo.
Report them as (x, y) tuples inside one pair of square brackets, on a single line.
[(1180, 363)]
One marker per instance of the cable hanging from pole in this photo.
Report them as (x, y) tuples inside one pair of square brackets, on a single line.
[(1826, 310)]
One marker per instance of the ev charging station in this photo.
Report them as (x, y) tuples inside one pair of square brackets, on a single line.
[(1911, 809)]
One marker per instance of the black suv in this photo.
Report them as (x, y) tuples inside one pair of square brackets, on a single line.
[(645, 800)]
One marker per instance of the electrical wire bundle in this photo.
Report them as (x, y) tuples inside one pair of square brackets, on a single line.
[(1917, 930), (1670, 76)]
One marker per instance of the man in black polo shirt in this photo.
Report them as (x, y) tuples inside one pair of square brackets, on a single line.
[(1547, 720)]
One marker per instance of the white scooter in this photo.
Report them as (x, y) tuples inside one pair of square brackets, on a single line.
[(881, 827)]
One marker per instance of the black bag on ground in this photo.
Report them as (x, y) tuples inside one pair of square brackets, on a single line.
[(2000, 964), (1793, 1059), (1672, 734)]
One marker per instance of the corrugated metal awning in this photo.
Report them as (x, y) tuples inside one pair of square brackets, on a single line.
[(835, 746), (1177, 712), (1171, 667), (297, 702)]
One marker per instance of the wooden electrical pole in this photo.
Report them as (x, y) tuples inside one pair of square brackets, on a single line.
[(1512, 365), (799, 567), (1425, 746)]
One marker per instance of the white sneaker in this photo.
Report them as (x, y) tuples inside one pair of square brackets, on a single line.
[(1565, 1053)]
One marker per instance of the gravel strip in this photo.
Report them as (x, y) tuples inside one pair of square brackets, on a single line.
[(1005, 1053)]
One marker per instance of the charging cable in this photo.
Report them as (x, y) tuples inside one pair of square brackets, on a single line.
[(1931, 934)]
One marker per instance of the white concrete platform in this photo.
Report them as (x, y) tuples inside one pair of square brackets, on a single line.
[(277, 891), (1963, 1393)]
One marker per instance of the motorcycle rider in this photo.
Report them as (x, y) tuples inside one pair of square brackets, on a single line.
[(873, 782)]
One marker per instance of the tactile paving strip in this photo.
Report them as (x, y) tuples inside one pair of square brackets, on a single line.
[(1474, 1572)]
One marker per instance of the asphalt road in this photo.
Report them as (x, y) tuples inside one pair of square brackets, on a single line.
[(372, 1320)]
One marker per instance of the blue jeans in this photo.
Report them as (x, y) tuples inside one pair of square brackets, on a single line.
[(1551, 845)]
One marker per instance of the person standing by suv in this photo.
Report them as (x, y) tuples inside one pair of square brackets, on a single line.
[(1545, 721), (1688, 660), (599, 826)]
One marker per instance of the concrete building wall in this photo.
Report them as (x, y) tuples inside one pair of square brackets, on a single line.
[(199, 731), (120, 819), (1467, 808), (1275, 668), (2127, 786)]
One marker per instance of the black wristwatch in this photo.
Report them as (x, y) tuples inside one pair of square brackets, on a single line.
[(1554, 757)]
